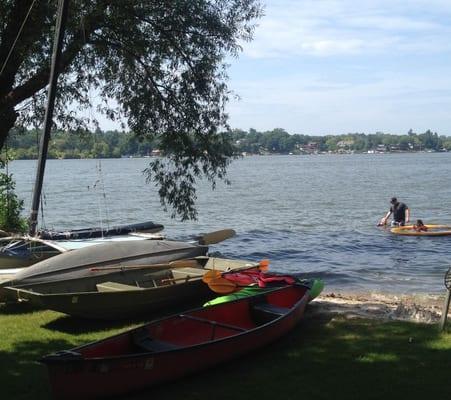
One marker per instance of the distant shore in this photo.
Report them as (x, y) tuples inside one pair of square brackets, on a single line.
[(245, 154)]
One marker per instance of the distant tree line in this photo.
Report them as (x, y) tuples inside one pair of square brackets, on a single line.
[(281, 142), (23, 143)]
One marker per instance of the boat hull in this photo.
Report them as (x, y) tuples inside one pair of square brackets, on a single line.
[(124, 293), (12, 261), (99, 259), (23, 251), (88, 233), (91, 376), (115, 305), (433, 230)]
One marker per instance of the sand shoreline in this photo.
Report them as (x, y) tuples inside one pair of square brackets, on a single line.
[(423, 308)]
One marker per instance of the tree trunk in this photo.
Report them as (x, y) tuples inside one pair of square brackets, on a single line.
[(8, 118)]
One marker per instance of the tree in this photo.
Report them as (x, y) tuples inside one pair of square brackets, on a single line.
[(10, 205), (161, 62)]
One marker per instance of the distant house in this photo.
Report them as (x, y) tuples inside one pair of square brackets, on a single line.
[(345, 143), (309, 148)]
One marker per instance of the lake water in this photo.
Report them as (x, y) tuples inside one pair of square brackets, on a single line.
[(315, 214)]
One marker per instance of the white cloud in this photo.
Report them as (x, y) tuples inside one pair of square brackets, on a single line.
[(337, 66), (328, 27), (313, 105)]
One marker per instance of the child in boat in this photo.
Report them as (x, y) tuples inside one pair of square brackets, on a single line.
[(419, 226)]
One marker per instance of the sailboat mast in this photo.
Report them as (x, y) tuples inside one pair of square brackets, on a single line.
[(44, 143)]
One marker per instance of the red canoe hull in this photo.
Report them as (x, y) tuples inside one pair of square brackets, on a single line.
[(93, 376)]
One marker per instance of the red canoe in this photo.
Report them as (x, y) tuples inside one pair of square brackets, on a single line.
[(175, 346)]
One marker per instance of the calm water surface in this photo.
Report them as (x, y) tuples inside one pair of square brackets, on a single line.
[(315, 214)]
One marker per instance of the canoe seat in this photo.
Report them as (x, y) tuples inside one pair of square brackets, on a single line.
[(115, 287), (213, 323), (145, 342), (182, 273), (223, 264), (263, 313), (270, 309)]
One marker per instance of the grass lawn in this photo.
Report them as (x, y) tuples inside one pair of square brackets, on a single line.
[(325, 357)]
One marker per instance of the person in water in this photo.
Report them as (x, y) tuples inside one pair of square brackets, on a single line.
[(400, 211), (420, 227)]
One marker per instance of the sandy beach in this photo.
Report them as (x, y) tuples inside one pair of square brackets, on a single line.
[(414, 308)]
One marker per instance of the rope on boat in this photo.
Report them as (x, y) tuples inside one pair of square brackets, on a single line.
[(101, 182)]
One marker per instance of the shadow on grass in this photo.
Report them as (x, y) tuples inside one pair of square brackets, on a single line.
[(74, 325), (324, 357), (23, 377), (330, 357), (17, 308)]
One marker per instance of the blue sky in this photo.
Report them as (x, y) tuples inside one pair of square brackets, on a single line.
[(337, 66), (332, 67)]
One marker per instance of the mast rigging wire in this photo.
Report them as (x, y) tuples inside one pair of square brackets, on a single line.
[(17, 37)]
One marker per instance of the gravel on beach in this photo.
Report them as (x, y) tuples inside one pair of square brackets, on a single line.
[(422, 308)]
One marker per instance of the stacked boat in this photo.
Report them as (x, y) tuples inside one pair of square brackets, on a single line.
[(123, 290), (118, 278), (22, 251)]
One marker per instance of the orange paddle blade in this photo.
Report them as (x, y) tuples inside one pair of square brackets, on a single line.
[(211, 274), (222, 285), (263, 265)]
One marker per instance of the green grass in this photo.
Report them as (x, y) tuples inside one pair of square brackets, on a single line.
[(323, 358)]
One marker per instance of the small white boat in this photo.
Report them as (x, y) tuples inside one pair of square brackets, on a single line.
[(23, 251)]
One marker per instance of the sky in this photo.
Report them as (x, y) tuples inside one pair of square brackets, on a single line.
[(320, 67), (332, 67)]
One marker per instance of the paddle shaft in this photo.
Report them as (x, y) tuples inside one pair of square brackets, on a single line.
[(186, 278)]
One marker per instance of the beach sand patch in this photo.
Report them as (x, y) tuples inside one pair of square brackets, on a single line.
[(386, 307)]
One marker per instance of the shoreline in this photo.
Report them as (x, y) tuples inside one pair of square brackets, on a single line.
[(421, 308), (418, 307), (247, 155)]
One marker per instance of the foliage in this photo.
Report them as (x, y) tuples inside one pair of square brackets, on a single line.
[(114, 144), (23, 144), (10, 206), (158, 66), (280, 142), (177, 174)]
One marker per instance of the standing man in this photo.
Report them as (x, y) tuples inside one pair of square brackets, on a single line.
[(400, 211)]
